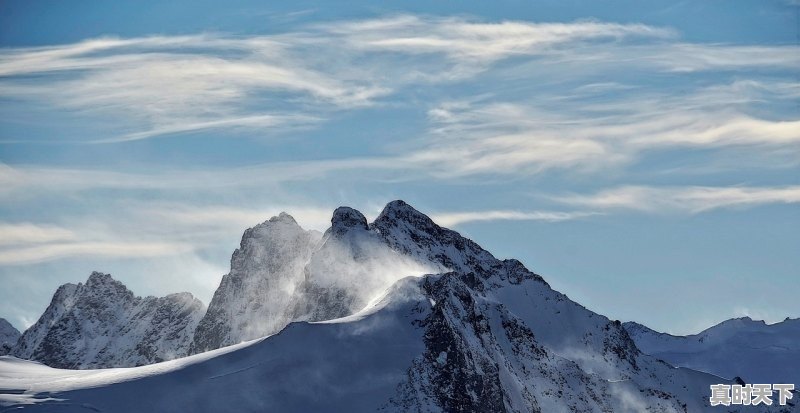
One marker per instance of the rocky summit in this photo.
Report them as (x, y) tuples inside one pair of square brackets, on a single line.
[(101, 323)]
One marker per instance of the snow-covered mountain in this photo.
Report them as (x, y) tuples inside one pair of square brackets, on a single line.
[(481, 335), (8, 336), (102, 324), (282, 273), (352, 264), (257, 296), (753, 350)]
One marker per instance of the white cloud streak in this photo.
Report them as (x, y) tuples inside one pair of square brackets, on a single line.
[(469, 41), (28, 180), (256, 122), (28, 233), (167, 85), (456, 218), (569, 133), (161, 85), (49, 252), (692, 199)]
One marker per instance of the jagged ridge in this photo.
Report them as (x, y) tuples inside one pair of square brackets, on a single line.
[(102, 324)]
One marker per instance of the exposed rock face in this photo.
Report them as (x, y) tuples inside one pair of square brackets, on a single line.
[(257, 296), (412, 233), (489, 348), (8, 336), (102, 324)]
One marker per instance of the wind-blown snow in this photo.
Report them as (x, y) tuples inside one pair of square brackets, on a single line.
[(254, 299)]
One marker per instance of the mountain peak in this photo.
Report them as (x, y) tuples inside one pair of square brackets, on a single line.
[(399, 210), (283, 217), (107, 286), (97, 277), (280, 226), (346, 217), (134, 331)]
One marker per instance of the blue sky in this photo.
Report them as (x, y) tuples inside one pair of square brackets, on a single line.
[(642, 156)]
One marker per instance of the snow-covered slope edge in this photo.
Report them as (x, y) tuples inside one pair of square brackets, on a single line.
[(101, 323), (750, 349)]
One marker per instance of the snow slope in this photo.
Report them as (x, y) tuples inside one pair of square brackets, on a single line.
[(485, 335), (752, 350), (102, 324), (8, 336)]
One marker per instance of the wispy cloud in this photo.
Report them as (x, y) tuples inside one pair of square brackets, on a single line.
[(165, 85), (457, 218), (272, 122), (692, 199), (158, 85), (32, 180), (687, 57), (28, 233), (464, 40), (579, 132), (52, 251)]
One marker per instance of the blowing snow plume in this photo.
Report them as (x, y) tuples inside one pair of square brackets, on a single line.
[(283, 273), (351, 266)]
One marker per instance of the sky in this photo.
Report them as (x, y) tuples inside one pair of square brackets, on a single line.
[(642, 156)]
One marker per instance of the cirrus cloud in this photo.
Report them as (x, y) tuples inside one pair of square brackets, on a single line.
[(691, 199)]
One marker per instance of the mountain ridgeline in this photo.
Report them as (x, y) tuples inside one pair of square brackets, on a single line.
[(102, 324), (397, 315)]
